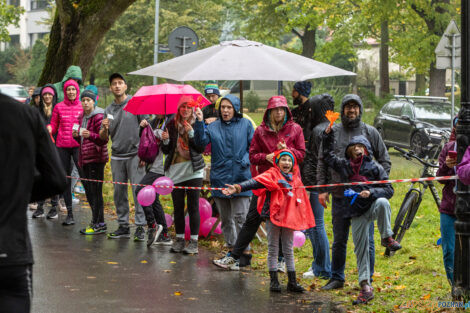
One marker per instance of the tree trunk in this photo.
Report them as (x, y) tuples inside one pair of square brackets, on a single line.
[(437, 81), (420, 84), (76, 33), (308, 41), (384, 72)]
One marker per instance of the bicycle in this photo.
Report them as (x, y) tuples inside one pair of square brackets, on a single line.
[(409, 206)]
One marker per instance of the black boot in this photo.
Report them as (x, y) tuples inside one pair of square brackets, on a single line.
[(292, 283), (69, 219), (274, 286)]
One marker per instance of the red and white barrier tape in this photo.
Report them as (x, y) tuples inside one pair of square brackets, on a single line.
[(408, 180)]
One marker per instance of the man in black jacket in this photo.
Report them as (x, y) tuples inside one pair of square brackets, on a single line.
[(31, 171), (303, 114), (351, 125)]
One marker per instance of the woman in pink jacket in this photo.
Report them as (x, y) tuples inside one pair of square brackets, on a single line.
[(64, 116)]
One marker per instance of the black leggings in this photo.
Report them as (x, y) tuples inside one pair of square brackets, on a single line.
[(16, 288), (65, 155), (153, 213), (178, 196), (94, 190), (54, 202)]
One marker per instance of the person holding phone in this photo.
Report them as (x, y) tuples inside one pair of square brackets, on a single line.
[(447, 164)]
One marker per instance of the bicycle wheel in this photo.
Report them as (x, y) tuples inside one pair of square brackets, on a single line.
[(404, 218)]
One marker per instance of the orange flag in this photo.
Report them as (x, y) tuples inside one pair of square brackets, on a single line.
[(331, 116)]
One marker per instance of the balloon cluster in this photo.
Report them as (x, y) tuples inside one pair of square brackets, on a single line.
[(162, 185)]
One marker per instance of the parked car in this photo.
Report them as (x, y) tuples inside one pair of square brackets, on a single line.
[(448, 91), (17, 92), (416, 123)]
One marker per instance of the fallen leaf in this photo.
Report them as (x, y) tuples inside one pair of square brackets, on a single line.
[(166, 271), (90, 277), (409, 263), (426, 297), (377, 274), (178, 293), (172, 262), (143, 262), (194, 299), (112, 262), (400, 287)]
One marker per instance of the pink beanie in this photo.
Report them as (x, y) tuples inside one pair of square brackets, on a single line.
[(48, 90)]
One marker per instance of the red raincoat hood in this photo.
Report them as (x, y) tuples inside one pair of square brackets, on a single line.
[(277, 102)]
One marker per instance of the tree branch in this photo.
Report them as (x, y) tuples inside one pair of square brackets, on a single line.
[(297, 33)]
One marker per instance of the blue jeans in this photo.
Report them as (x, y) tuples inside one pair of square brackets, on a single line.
[(341, 227), (321, 265), (448, 244)]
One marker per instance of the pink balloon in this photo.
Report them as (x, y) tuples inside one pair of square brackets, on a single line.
[(187, 232), (163, 181), (218, 229), (205, 209), (169, 220), (299, 239), (205, 228), (146, 196)]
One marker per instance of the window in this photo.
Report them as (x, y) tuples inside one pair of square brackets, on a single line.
[(14, 40), (407, 110), (394, 108), (16, 3), (39, 4)]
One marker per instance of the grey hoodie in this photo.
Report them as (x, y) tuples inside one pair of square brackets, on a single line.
[(343, 133), (123, 129)]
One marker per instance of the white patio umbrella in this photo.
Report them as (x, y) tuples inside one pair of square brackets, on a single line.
[(242, 60)]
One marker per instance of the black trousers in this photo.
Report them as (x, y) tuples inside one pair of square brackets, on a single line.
[(248, 232), (153, 213), (54, 202), (178, 196), (94, 190), (16, 288), (67, 154)]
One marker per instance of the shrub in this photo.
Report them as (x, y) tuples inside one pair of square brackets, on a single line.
[(252, 101)]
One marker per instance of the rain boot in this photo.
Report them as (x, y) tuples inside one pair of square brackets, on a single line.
[(274, 286), (292, 283)]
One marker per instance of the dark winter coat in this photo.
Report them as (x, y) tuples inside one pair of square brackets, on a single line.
[(92, 149), (209, 111), (463, 169), (448, 195), (31, 171), (230, 141), (369, 170), (195, 150), (265, 141), (343, 133)]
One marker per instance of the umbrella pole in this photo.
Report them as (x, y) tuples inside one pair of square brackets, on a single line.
[(241, 97)]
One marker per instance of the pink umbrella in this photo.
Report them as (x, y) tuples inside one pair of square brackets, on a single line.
[(163, 99)]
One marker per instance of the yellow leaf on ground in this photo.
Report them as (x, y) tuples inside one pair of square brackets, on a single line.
[(112, 262), (143, 262), (377, 274), (401, 287), (178, 293), (173, 262), (90, 277), (426, 297)]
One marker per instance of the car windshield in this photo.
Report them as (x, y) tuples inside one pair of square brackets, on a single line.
[(15, 92), (434, 111)]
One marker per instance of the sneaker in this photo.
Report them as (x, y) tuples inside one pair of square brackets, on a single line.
[(121, 232), (68, 220), (92, 230), (33, 206), (79, 189), (139, 234), (101, 227), (164, 240), (281, 265), (75, 200), (235, 266), (364, 296), (191, 248), (390, 243), (52, 214), (308, 273), (225, 262), (153, 233), (38, 213), (178, 245), (62, 207)]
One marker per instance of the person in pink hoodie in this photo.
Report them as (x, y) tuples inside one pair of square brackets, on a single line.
[(463, 169), (64, 116)]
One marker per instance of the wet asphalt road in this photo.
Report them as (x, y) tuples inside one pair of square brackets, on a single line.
[(82, 274)]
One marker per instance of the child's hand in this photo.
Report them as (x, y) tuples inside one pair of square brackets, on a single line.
[(230, 190), (364, 194), (281, 145)]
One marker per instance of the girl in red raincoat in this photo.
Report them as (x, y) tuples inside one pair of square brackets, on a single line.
[(284, 203)]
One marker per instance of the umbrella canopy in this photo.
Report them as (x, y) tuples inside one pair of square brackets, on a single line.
[(162, 99), (242, 60)]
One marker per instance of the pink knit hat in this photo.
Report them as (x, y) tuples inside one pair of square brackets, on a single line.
[(48, 90)]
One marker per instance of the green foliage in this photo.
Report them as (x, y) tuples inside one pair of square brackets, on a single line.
[(252, 101), (7, 57), (129, 45), (9, 15), (19, 69), (38, 58)]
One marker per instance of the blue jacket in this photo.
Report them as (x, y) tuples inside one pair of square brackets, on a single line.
[(230, 163)]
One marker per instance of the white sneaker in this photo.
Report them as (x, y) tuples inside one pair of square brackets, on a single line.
[(62, 207), (309, 273), (226, 262), (281, 266)]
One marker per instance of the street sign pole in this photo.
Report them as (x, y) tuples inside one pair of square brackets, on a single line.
[(155, 40)]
